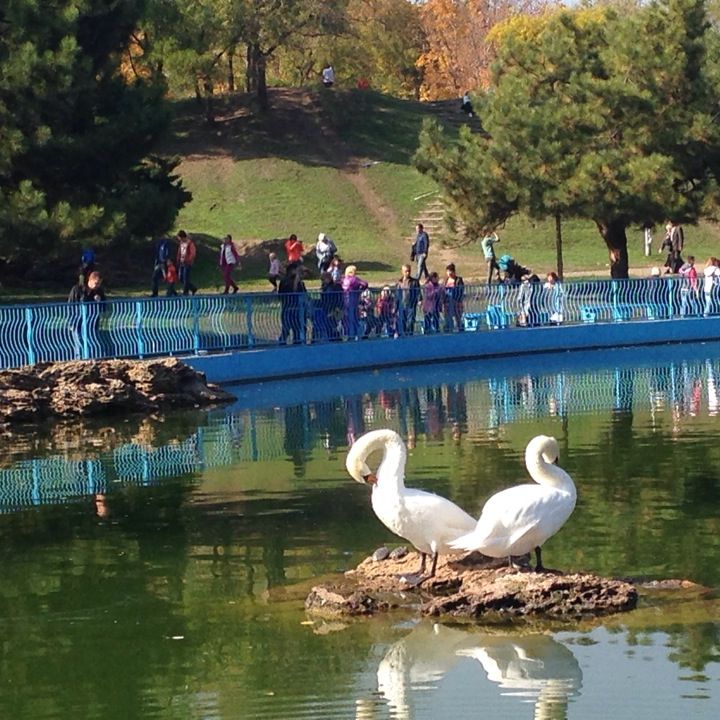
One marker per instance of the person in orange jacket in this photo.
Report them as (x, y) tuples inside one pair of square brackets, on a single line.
[(185, 259), (294, 249)]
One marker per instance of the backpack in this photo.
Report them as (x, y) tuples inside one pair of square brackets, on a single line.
[(87, 257), (163, 251)]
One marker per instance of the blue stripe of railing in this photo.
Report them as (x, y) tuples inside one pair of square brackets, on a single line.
[(181, 325)]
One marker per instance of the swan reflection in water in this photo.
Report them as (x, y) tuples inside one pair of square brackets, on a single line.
[(535, 668)]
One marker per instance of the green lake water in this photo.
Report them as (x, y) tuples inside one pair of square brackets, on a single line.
[(157, 567)]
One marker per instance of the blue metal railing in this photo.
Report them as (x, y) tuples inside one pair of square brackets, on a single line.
[(145, 327)]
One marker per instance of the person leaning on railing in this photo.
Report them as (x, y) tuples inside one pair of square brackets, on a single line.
[(554, 298), (689, 290), (88, 343), (407, 294), (292, 293), (453, 293), (711, 284)]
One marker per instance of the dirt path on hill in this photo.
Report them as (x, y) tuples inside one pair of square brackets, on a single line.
[(351, 166)]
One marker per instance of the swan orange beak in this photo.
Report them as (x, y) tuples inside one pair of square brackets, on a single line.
[(370, 479)]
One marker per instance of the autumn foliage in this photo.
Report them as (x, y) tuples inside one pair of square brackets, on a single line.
[(458, 53)]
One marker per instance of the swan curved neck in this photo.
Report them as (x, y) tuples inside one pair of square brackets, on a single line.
[(391, 471), (545, 473)]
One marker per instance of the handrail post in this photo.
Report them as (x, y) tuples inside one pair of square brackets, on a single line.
[(30, 336), (249, 320), (302, 316), (85, 341), (196, 324), (671, 284), (613, 299), (139, 335)]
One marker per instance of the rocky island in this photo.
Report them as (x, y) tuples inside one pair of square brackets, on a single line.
[(472, 586), (87, 388)]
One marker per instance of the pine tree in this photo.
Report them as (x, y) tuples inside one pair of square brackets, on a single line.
[(76, 138), (592, 114)]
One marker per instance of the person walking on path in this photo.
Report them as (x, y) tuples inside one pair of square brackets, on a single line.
[(420, 251), (274, 270), (184, 261), (325, 251), (487, 245), (294, 249), (162, 255), (229, 260)]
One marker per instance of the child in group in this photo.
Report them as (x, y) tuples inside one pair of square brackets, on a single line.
[(171, 277), (274, 270), (386, 312), (335, 269), (366, 312)]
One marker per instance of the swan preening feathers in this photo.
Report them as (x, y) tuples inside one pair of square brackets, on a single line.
[(428, 521), (513, 521)]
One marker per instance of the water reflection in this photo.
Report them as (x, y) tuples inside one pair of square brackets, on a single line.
[(534, 668), (675, 393)]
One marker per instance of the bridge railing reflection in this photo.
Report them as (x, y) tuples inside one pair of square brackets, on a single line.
[(296, 432)]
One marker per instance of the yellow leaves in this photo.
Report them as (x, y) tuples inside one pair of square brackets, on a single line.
[(461, 36)]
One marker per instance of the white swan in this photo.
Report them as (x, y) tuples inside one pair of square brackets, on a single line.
[(516, 520), (428, 521)]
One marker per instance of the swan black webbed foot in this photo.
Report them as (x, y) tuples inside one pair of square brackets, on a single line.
[(420, 577), (519, 562)]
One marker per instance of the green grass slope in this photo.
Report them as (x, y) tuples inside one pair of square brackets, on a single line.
[(339, 162), (263, 178)]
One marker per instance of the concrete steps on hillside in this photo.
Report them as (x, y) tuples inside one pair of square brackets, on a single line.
[(432, 216)]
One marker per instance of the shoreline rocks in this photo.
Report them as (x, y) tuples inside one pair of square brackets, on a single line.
[(471, 587), (93, 388)]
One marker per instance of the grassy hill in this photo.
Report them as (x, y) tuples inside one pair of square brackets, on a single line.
[(340, 162)]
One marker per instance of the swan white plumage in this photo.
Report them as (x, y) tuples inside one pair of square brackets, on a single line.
[(428, 521), (520, 519)]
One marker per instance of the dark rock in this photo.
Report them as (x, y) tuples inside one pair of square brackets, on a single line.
[(102, 387), (382, 553), (398, 553), (474, 586), (338, 601)]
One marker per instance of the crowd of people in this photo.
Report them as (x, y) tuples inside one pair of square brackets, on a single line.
[(420, 300)]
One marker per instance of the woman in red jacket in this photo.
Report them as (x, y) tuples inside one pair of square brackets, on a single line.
[(294, 249)]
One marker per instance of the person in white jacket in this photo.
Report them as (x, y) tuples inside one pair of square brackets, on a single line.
[(325, 250), (711, 280)]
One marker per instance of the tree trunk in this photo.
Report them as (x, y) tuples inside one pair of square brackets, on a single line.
[(558, 246), (250, 74), (209, 104), (613, 233), (262, 94), (256, 82), (230, 71)]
